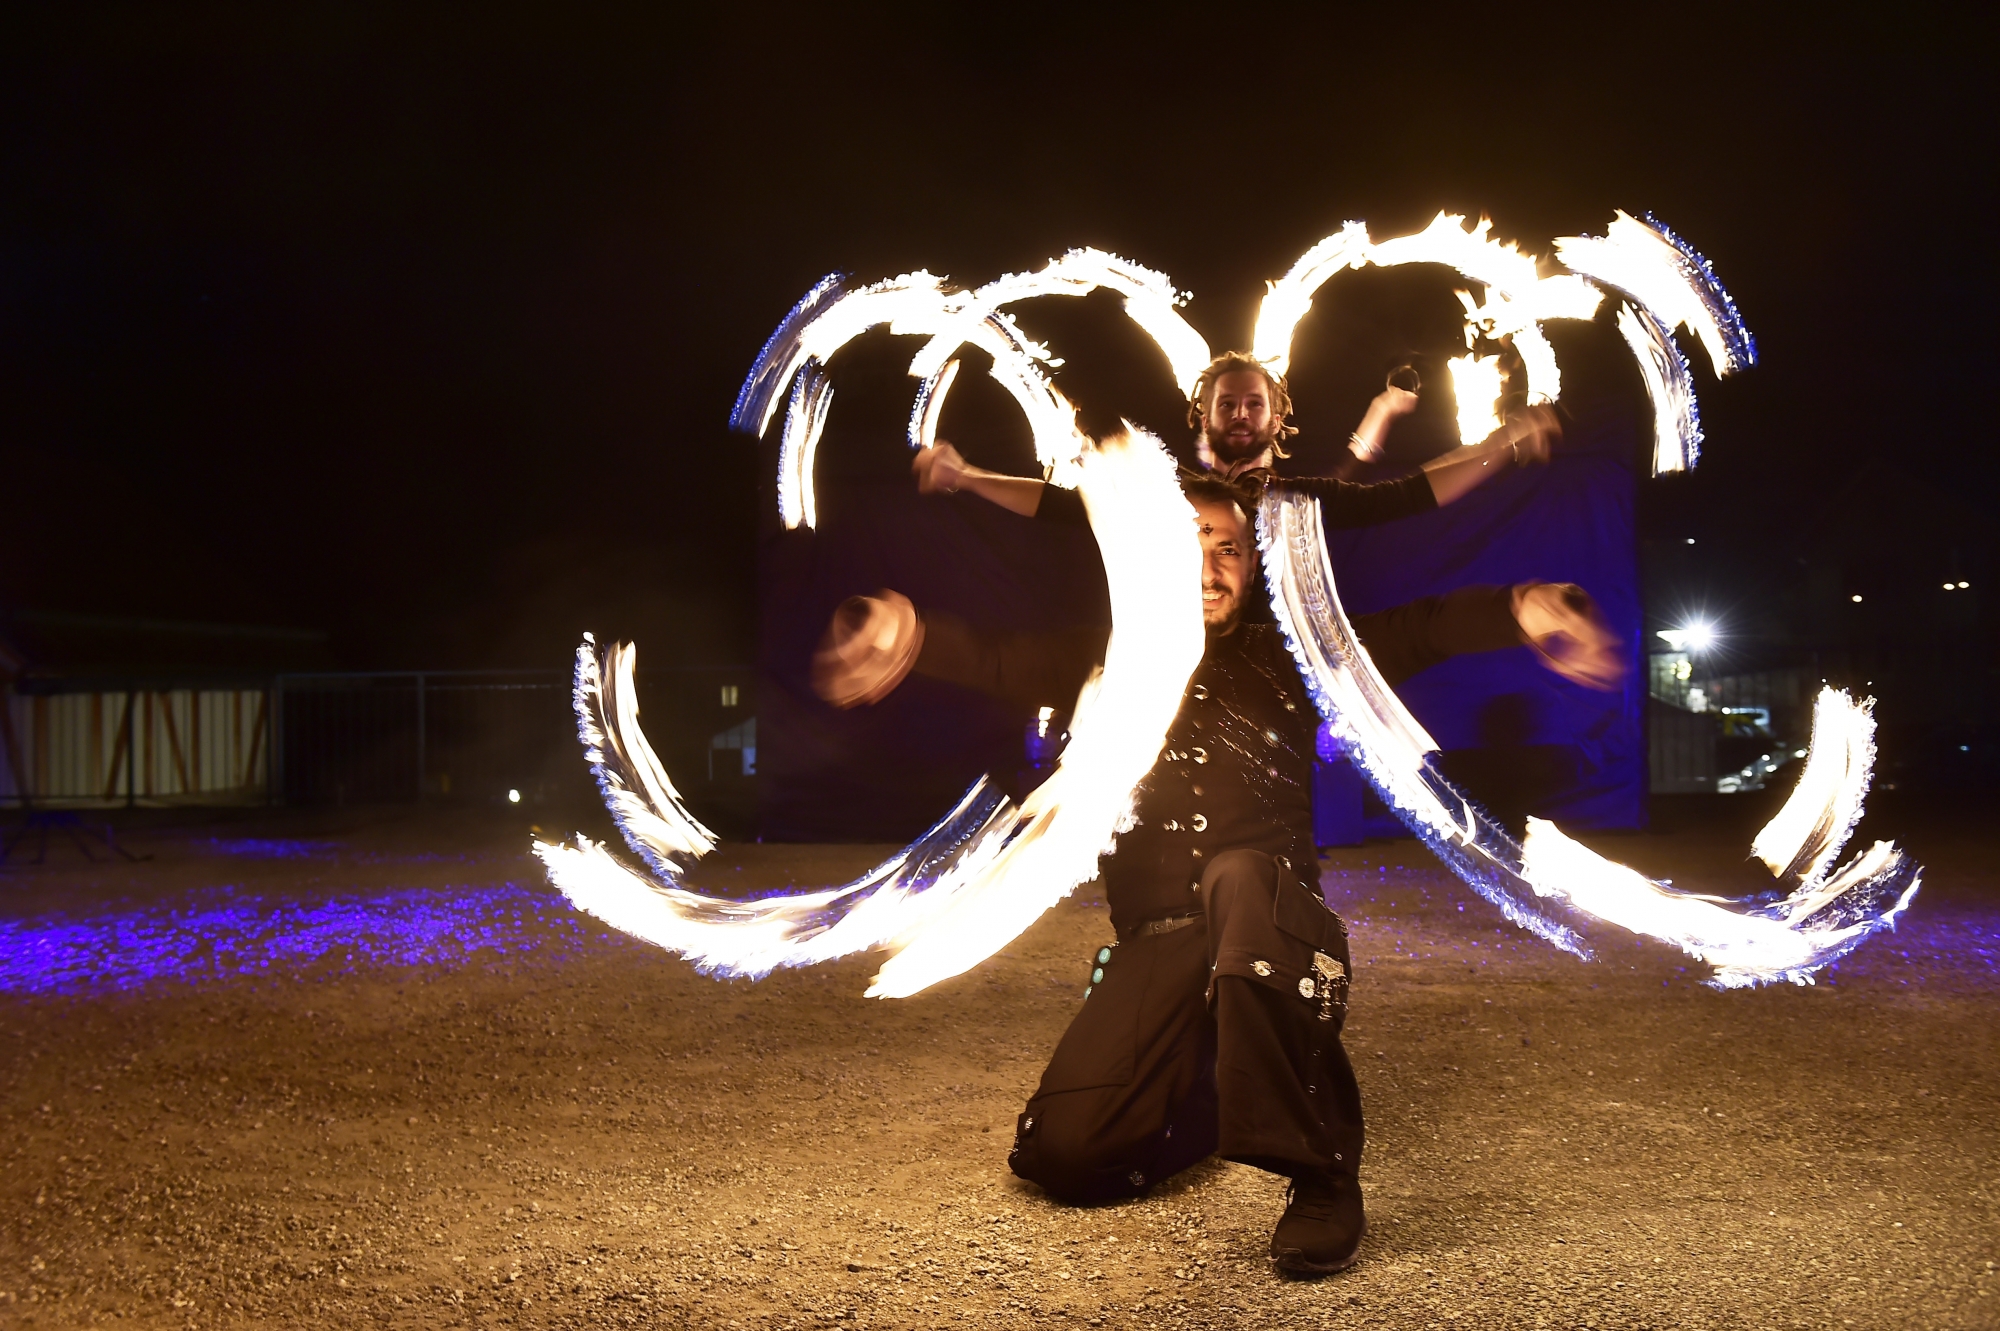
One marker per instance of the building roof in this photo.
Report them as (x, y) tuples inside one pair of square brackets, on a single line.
[(45, 651)]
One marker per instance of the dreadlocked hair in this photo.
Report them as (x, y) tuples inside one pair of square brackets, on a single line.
[(1229, 362), (1208, 487)]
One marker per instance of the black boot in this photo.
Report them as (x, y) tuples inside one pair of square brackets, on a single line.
[(1321, 1230)]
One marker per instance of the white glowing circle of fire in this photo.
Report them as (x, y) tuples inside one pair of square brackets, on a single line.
[(1517, 300), (988, 870)]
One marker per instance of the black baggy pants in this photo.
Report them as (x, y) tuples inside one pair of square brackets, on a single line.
[(1220, 1037)]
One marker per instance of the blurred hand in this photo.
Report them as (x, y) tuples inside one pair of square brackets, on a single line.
[(1563, 625), (1392, 402), (938, 467), (867, 649), (1533, 431)]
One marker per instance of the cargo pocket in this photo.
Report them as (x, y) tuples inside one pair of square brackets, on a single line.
[(1327, 972)]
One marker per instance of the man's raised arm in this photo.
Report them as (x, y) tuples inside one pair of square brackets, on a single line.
[(940, 469)]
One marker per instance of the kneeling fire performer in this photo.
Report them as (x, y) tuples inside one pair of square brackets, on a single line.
[(1213, 1025)]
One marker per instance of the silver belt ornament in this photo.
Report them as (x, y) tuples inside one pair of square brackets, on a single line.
[(1332, 976)]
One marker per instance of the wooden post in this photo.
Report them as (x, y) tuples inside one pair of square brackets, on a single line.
[(131, 749)]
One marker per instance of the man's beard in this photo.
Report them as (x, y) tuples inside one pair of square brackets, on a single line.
[(1229, 452), (1227, 625)]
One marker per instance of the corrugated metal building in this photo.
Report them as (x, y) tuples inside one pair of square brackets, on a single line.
[(98, 710)]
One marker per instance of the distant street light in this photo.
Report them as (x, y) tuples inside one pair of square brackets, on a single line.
[(1696, 637)]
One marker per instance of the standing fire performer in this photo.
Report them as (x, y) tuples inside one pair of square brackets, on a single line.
[(1213, 1025), (1239, 409)]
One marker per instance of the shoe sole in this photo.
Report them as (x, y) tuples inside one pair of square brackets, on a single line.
[(1292, 1262)]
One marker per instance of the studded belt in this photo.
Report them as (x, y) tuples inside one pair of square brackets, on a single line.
[(1165, 925)]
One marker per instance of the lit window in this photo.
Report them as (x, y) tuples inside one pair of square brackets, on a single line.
[(729, 695)]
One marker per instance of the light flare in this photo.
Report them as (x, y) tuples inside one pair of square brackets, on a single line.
[(1152, 563), (1388, 745)]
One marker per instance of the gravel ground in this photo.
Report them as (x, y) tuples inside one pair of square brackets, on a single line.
[(374, 1071)]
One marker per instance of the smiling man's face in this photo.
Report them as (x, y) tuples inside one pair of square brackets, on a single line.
[(1239, 425), (1225, 563)]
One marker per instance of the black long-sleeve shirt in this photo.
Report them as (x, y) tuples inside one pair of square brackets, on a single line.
[(1342, 504)]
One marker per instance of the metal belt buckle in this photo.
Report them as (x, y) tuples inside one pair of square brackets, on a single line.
[(1332, 975)]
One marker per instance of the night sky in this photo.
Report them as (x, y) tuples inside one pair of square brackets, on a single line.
[(423, 328)]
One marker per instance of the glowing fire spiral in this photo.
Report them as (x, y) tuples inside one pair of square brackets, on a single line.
[(989, 868)]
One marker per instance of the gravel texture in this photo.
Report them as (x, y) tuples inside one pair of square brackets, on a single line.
[(373, 1072)]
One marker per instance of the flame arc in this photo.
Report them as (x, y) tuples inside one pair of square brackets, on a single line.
[(920, 304), (1554, 886), (1663, 281), (989, 868)]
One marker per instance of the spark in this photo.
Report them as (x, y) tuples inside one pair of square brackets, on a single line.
[(1376, 729), (1152, 562), (827, 318), (1539, 359), (753, 938), (1670, 285)]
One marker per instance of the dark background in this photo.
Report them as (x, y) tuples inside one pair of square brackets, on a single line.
[(420, 326)]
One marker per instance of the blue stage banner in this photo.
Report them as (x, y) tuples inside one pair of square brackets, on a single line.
[(1516, 736)]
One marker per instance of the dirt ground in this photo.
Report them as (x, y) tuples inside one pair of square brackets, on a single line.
[(371, 1071)]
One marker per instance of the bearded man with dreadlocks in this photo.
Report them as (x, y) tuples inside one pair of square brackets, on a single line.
[(1240, 411)]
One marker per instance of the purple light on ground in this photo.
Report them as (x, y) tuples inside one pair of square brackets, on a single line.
[(218, 938), (283, 848), (271, 848)]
